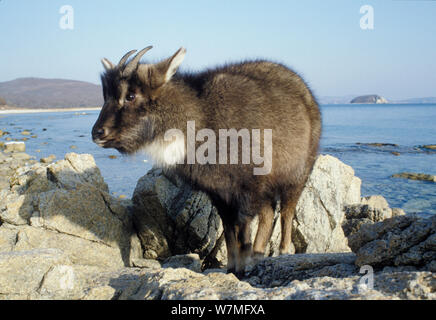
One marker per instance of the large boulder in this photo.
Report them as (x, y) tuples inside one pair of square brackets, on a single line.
[(171, 218), (66, 206), (320, 210), (404, 241), (14, 146)]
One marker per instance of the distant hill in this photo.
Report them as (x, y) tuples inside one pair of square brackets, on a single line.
[(348, 98), (62, 93), (335, 99), (50, 93), (418, 100), (370, 98)]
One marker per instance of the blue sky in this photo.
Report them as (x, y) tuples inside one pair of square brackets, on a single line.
[(322, 40)]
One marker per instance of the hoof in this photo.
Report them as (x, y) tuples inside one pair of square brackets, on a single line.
[(284, 252), (239, 274), (257, 256), (231, 270)]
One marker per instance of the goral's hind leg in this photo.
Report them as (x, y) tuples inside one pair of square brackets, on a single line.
[(230, 234), (229, 217), (263, 209), (264, 230), (245, 246), (288, 204)]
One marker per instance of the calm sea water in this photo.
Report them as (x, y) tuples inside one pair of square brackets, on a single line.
[(408, 126)]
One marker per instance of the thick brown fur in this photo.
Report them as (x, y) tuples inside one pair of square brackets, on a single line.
[(251, 95)]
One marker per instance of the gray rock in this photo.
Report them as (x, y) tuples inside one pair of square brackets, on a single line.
[(398, 241), (8, 239), (188, 261), (370, 210), (21, 273), (14, 146), (415, 176), (66, 205), (4, 183), (398, 212), (17, 209), (374, 208), (429, 146), (48, 159), (280, 271), (3, 157), (387, 286), (79, 251), (351, 226), (20, 156), (47, 274), (320, 210), (181, 284), (75, 170), (173, 219), (353, 194), (62, 236), (431, 266), (146, 263)]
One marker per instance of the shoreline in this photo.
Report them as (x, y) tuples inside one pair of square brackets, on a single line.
[(20, 111), (47, 110)]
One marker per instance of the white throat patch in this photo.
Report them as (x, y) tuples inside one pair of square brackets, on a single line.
[(167, 153)]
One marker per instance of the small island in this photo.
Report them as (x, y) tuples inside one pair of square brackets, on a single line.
[(371, 98)]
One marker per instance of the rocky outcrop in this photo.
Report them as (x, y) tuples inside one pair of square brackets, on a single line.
[(415, 176), (188, 261), (429, 146), (371, 98), (281, 271), (320, 211), (66, 206), (378, 144), (21, 272), (405, 241), (370, 210), (14, 146), (62, 236), (317, 277), (184, 284), (172, 219)]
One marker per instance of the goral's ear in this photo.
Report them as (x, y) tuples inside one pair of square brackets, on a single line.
[(174, 62), (156, 75), (168, 67)]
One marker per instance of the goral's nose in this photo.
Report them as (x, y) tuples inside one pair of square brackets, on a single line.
[(99, 133)]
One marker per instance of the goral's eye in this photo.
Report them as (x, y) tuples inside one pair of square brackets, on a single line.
[(130, 96)]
